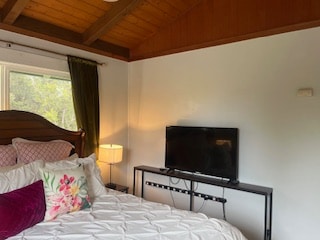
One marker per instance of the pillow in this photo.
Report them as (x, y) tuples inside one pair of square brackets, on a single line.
[(28, 151), (8, 155), (8, 168), (65, 191), (20, 177), (72, 157), (92, 171), (21, 209), (20, 164)]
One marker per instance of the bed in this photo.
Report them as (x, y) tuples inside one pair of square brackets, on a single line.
[(31, 209)]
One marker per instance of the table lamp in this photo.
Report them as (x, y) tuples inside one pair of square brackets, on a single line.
[(111, 154)]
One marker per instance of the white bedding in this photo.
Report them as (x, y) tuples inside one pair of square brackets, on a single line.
[(116, 215)]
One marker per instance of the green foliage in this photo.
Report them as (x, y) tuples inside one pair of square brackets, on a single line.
[(48, 97)]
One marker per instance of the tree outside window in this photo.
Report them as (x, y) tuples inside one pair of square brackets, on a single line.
[(47, 95)]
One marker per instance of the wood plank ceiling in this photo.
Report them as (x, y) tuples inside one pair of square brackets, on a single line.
[(138, 29)]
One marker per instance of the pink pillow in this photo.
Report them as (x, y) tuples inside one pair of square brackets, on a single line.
[(28, 151), (8, 155), (21, 209)]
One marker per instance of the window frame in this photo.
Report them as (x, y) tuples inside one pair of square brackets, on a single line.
[(7, 68)]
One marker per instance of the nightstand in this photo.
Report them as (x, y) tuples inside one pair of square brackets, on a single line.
[(120, 188)]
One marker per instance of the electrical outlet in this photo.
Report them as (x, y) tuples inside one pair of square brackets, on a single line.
[(305, 92)]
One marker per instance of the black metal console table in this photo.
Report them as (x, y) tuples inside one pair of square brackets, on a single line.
[(255, 189)]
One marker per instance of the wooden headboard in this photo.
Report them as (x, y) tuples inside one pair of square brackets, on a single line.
[(34, 127)]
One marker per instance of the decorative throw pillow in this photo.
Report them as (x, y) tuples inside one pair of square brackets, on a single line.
[(65, 191), (21, 209), (95, 184), (8, 155), (28, 151), (20, 177)]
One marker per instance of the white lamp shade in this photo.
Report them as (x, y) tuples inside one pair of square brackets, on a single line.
[(110, 153)]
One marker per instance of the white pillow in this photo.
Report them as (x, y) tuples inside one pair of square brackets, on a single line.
[(66, 191), (8, 168), (72, 157), (20, 177), (92, 171)]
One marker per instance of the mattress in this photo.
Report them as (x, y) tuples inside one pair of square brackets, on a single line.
[(117, 215)]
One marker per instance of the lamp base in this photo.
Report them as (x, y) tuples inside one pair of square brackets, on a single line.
[(111, 185)]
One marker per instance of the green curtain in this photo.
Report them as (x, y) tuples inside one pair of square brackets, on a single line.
[(85, 91)]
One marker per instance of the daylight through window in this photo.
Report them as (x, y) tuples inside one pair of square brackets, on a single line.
[(45, 92)]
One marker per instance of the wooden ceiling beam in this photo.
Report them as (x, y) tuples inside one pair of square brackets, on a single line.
[(31, 27), (107, 21), (12, 9)]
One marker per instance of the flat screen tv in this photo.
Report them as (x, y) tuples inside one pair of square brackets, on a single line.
[(206, 150)]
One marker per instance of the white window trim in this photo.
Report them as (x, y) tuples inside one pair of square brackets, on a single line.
[(5, 69)]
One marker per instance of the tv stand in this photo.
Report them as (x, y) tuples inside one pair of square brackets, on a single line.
[(170, 170), (234, 182), (255, 189)]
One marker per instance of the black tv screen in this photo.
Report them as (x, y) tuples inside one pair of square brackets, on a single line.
[(206, 150)]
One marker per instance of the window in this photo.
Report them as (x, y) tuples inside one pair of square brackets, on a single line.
[(42, 91)]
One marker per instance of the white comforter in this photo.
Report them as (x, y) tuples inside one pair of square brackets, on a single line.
[(122, 216)]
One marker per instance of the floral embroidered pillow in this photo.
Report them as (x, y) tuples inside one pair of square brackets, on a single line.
[(65, 191)]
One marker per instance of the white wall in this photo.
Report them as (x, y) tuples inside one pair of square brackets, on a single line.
[(113, 75), (251, 85)]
